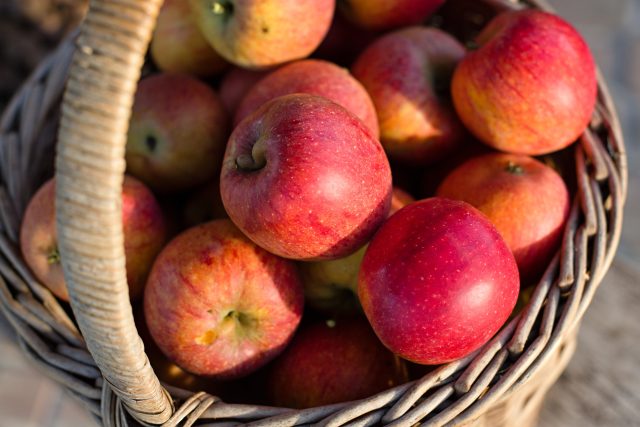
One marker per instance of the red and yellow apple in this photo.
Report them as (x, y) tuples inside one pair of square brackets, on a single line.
[(177, 133), (262, 33), (144, 231), (407, 75), (179, 47), (305, 179), (219, 306), (437, 281), (530, 87), (526, 200), (315, 77), (385, 14), (333, 361)]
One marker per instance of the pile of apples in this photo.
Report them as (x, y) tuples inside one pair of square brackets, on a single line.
[(328, 281)]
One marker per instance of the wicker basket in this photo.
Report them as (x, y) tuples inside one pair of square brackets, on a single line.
[(101, 361)]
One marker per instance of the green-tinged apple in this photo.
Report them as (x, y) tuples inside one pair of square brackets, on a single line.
[(305, 179), (144, 231), (316, 77), (385, 14), (530, 87), (407, 75), (331, 286), (333, 361), (218, 305), (177, 133), (526, 200), (437, 281), (179, 47), (262, 33), (235, 84)]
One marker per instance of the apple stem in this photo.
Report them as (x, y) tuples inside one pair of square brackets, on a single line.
[(242, 319), (254, 161), (514, 168)]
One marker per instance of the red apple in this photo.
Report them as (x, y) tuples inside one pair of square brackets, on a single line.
[(177, 133), (179, 47), (333, 361), (526, 200), (530, 88), (263, 33), (407, 74), (331, 286), (385, 14), (218, 305), (144, 235), (305, 179), (234, 86), (316, 77), (167, 371), (437, 281)]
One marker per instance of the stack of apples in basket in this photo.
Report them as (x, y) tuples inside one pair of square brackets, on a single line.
[(321, 199)]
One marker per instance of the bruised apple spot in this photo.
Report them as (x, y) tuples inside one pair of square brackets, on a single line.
[(207, 338)]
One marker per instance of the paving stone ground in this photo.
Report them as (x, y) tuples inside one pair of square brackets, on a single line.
[(601, 386)]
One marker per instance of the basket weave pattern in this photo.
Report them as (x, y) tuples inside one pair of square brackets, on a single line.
[(104, 366)]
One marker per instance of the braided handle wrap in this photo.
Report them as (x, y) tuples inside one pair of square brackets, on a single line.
[(89, 173)]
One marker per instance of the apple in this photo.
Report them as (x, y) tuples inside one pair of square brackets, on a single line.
[(179, 47), (530, 87), (527, 201), (167, 371), (234, 86), (144, 231), (407, 74), (316, 77), (257, 34), (177, 133), (437, 281), (219, 306), (333, 361), (331, 286), (385, 14), (344, 41), (305, 179)]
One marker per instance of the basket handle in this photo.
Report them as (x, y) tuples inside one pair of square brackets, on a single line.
[(90, 167)]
